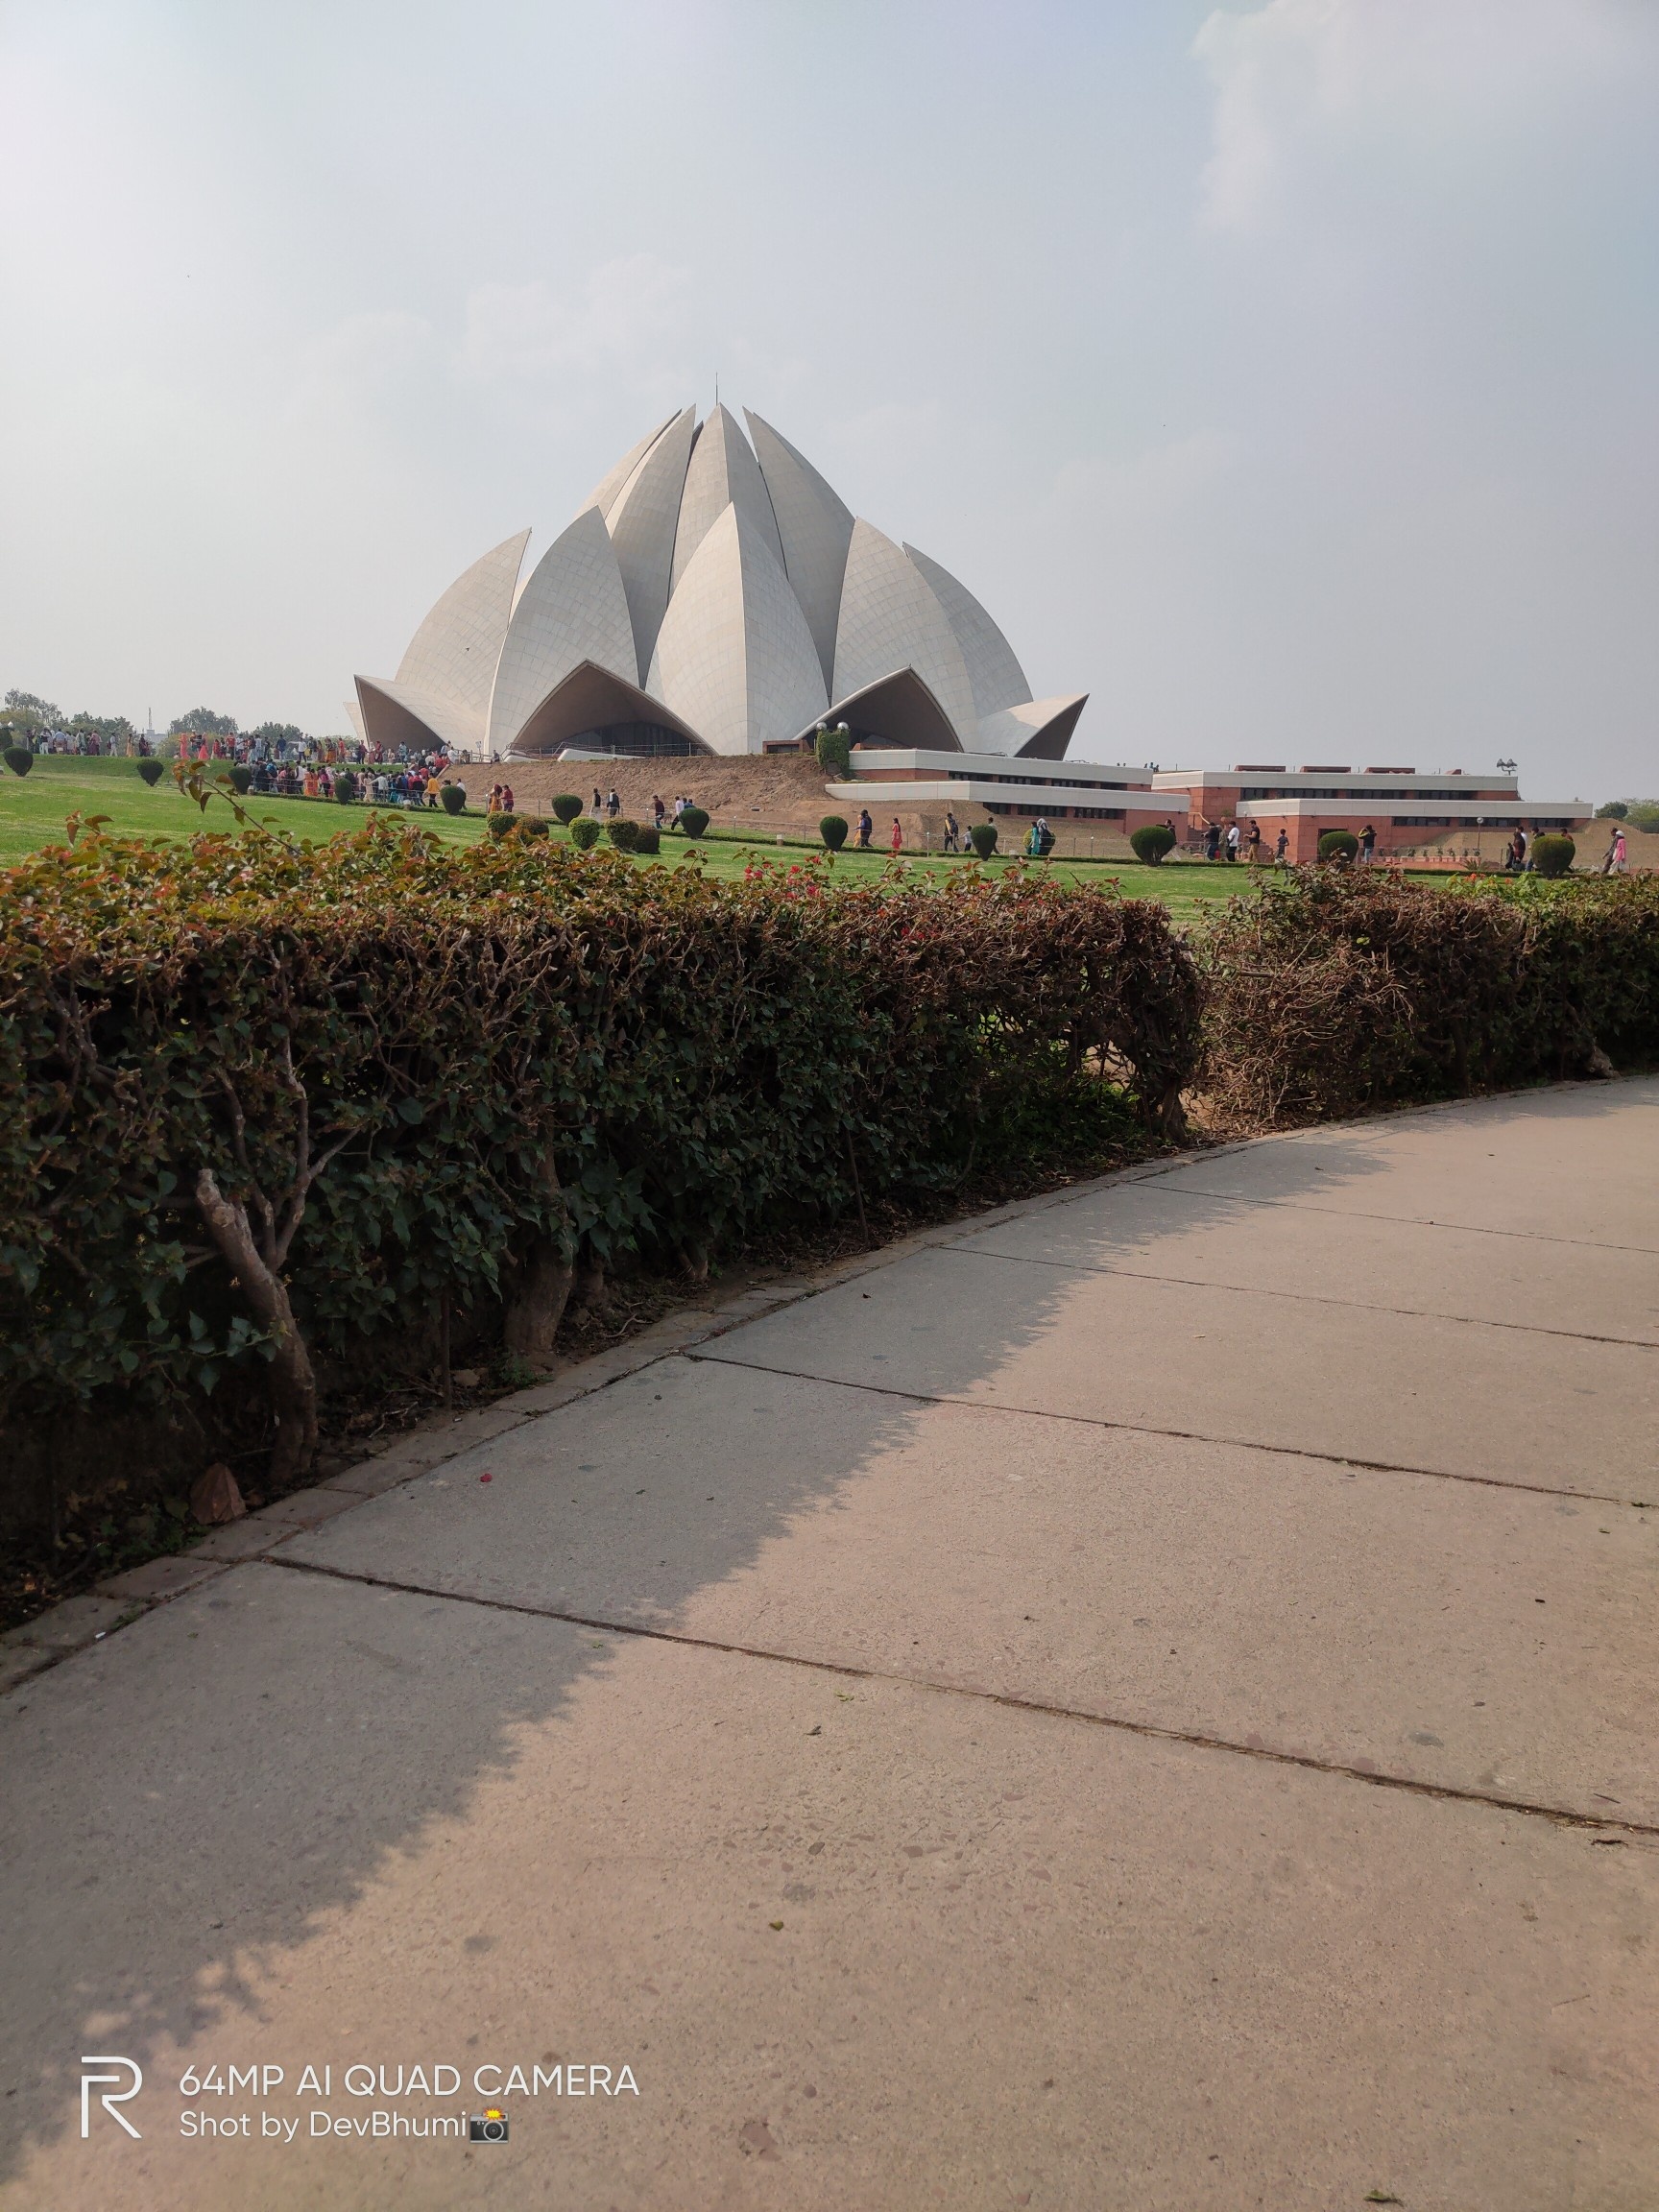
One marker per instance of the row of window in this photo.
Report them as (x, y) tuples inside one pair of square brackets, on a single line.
[(1359, 798), (1056, 814), (1048, 783)]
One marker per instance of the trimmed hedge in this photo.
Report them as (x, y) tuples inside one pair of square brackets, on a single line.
[(982, 836), (586, 833), (566, 806), (834, 832), (152, 770), (1338, 845), (260, 1100), (693, 821), (1553, 854), (1151, 841), (452, 798), (1342, 990)]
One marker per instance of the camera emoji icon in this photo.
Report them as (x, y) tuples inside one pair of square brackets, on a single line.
[(488, 2127)]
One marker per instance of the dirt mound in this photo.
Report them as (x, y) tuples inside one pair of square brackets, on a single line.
[(775, 794)]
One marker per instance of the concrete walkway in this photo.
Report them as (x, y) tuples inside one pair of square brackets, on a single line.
[(1144, 1702)]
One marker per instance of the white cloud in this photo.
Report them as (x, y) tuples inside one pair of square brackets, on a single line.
[(1298, 76)]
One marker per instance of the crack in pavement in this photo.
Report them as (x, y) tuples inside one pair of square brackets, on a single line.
[(1301, 1297), (1181, 1435), (1560, 1815)]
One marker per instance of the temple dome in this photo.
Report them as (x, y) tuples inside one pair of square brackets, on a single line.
[(714, 596)]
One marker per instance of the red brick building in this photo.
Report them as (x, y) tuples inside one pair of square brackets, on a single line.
[(1407, 809)]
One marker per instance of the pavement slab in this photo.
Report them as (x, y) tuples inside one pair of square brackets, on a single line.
[(1182, 1234), (1570, 1164), (1493, 1641), (859, 1944), (1354, 1382)]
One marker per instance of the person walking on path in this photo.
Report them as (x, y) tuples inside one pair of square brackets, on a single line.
[(1212, 840), (1367, 843), (1616, 850), (598, 804), (1280, 846), (1232, 840), (866, 828), (657, 810), (952, 833), (507, 801), (613, 805), (1255, 852), (898, 837)]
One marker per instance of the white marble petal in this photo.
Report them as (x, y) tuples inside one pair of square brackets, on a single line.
[(1041, 728), (396, 714), (722, 473), (996, 676), (815, 529), (890, 619), (572, 608), (642, 523), (453, 654), (603, 493), (735, 658)]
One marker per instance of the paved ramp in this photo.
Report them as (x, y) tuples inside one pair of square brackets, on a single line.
[(1144, 1702)]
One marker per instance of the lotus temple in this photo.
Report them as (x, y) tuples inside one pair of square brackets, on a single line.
[(713, 595)]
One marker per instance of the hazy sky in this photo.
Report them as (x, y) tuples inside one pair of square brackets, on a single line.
[(1285, 374)]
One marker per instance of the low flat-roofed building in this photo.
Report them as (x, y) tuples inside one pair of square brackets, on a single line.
[(1406, 808), (1119, 798)]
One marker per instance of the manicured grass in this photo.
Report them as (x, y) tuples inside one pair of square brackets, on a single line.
[(34, 809)]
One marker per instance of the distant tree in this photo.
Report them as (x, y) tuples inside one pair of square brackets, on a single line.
[(279, 733), (1614, 811), (202, 722), (1644, 814), (116, 728), (48, 714)]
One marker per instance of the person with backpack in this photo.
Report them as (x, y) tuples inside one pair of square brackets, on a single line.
[(952, 833)]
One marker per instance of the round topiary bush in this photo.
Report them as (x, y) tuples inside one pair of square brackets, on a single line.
[(982, 836), (152, 770), (532, 826), (623, 833), (241, 779), (834, 832), (19, 759), (346, 788), (452, 798), (649, 839), (1151, 841), (566, 806), (1338, 845), (498, 825), (1553, 854), (584, 834), (693, 820)]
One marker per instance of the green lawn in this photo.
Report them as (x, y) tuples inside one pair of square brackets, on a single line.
[(34, 809)]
